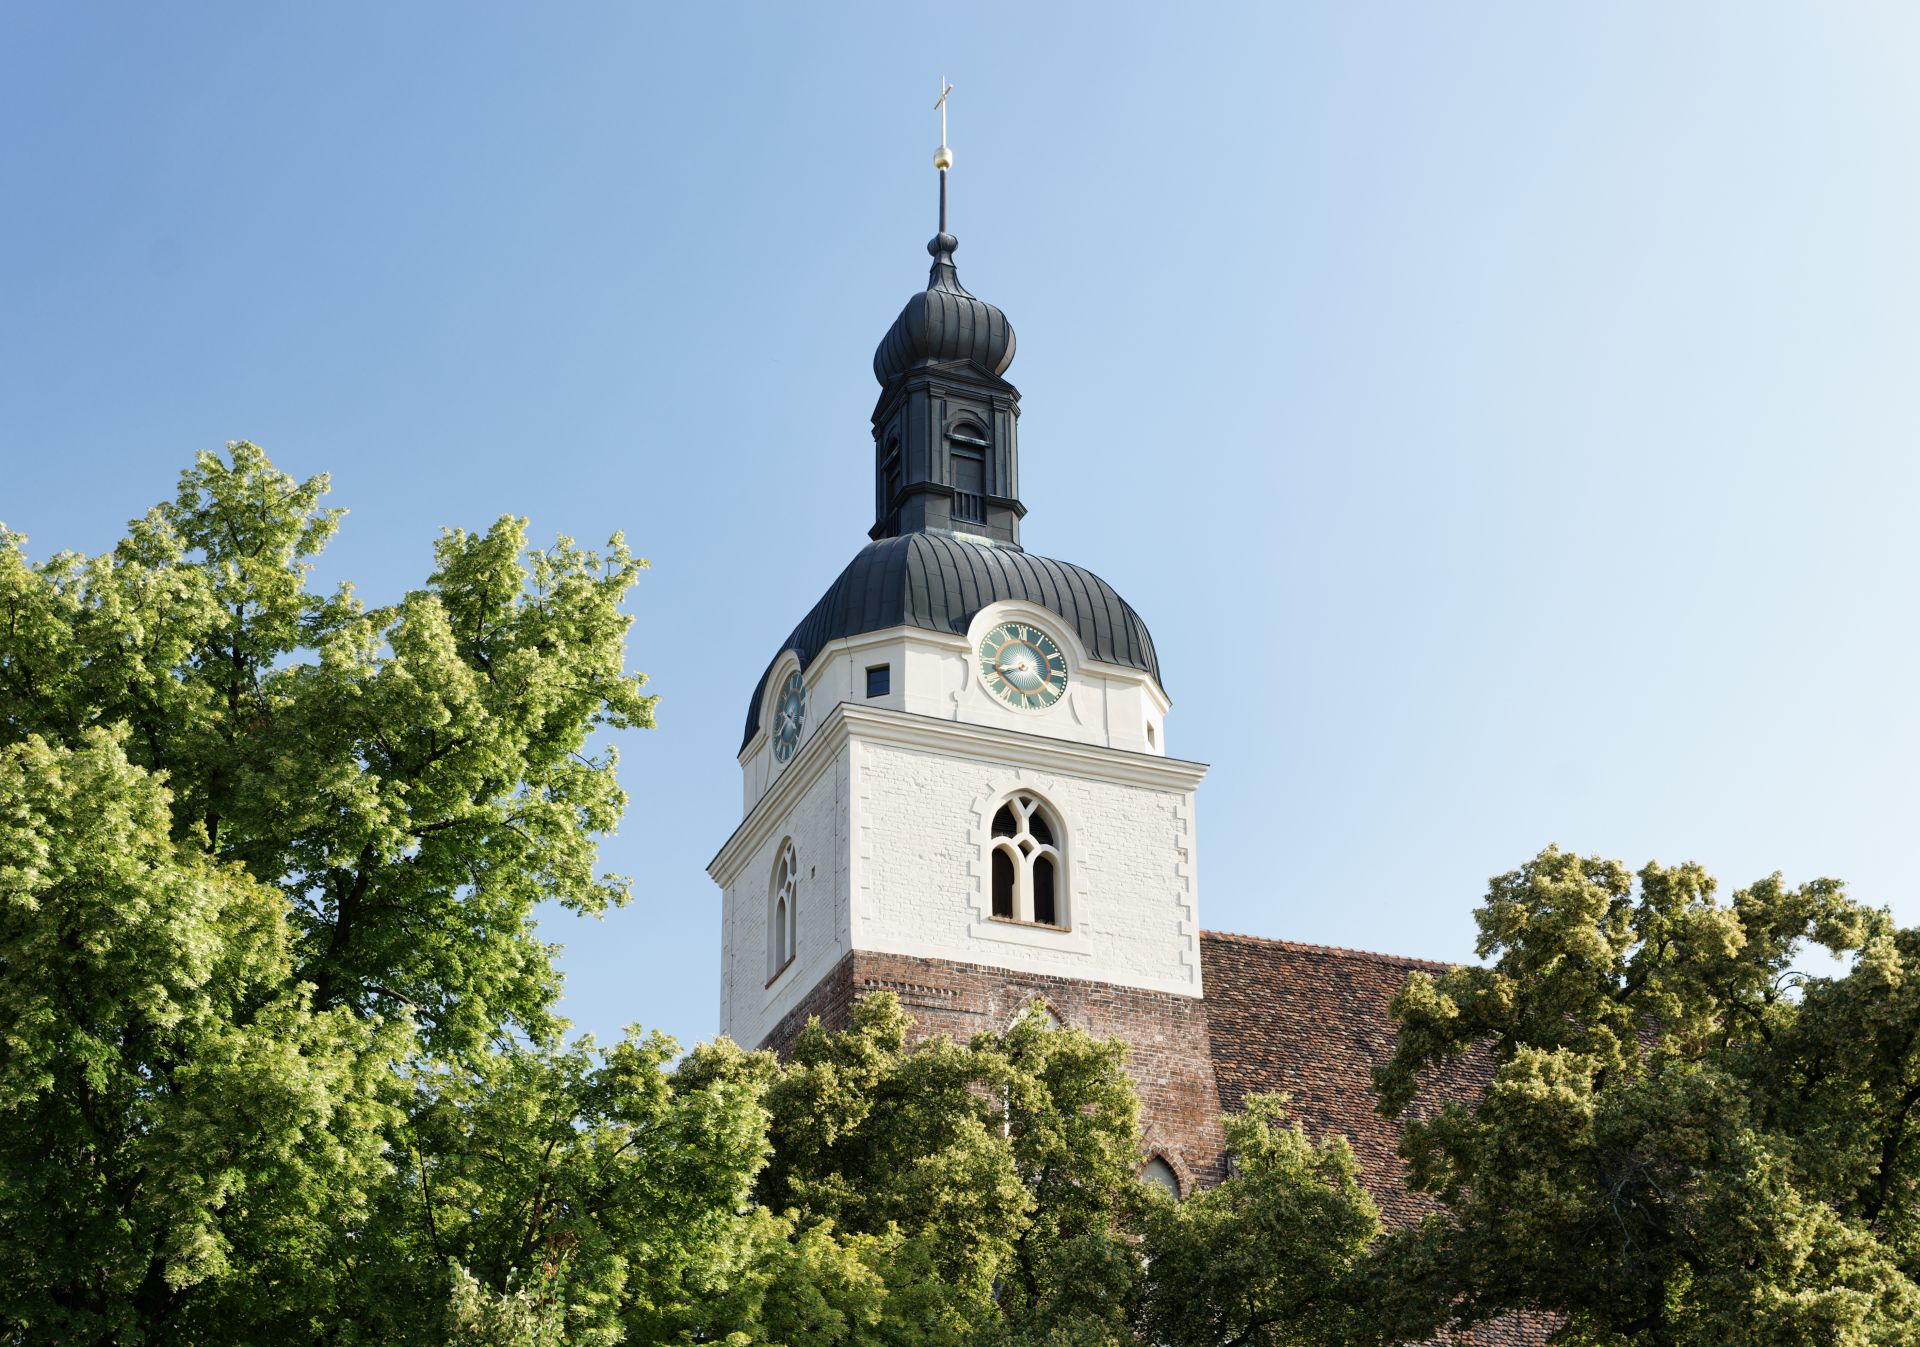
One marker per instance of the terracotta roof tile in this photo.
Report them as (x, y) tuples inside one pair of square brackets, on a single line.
[(1312, 1022)]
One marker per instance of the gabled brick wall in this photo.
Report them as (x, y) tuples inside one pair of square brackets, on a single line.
[(1312, 1022), (1169, 1057), (1308, 1021)]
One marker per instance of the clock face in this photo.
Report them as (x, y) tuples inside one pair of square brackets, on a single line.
[(1021, 665), (789, 716)]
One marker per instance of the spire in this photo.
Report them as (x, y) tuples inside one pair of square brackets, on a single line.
[(947, 323), (943, 157), (943, 430), (943, 276)]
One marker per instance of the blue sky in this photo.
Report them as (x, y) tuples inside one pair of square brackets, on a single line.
[(1504, 415)]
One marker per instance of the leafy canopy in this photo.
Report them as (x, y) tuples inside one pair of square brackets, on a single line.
[(414, 777), (268, 866), (1684, 1140)]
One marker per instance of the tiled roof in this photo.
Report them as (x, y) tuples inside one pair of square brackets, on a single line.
[(1311, 1022)]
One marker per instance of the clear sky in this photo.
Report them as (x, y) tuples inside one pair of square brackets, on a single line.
[(1504, 415)]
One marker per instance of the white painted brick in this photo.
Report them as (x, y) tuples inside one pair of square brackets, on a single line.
[(922, 881)]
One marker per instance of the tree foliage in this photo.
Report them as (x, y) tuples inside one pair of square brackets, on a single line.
[(1273, 1256), (414, 777), (1684, 1140), (268, 865), (176, 1113)]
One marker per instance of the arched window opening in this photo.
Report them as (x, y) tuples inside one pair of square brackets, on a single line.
[(967, 462), (783, 911), (1159, 1174), (1040, 1010), (1026, 864)]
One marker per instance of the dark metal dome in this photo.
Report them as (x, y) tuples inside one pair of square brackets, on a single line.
[(944, 322), (938, 582)]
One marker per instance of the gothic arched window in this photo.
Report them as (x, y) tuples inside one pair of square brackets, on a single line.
[(783, 911), (1028, 883), (1160, 1174), (967, 446), (1037, 1010)]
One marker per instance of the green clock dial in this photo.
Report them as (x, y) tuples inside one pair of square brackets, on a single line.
[(789, 716), (1022, 666)]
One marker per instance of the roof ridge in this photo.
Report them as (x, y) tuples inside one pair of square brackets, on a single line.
[(1405, 959)]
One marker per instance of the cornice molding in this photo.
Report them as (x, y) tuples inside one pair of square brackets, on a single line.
[(990, 743), (777, 801), (848, 722)]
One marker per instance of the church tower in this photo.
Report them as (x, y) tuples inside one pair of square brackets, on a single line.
[(956, 784)]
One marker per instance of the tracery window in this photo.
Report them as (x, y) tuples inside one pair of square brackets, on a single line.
[(783, 911), (1026, 863)]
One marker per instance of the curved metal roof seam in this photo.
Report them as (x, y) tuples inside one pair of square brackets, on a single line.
[(939, 582)]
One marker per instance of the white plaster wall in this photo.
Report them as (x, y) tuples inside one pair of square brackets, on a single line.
[(828, 682), (921, 823), (818, 824)]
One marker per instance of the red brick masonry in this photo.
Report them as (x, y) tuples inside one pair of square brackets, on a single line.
[(1308, 1021), (1311, 1022), (1170, 1059)]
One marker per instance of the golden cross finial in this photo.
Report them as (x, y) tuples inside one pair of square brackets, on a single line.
[(943, 157)]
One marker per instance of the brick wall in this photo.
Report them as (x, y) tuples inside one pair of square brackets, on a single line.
[(1170, 1061)]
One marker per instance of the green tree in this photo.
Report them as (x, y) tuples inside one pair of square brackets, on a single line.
[(995, 1176), (1273, 1256), (175, 1116), (579, 1195), (1683, 1140), (414, 777), (268, 868)]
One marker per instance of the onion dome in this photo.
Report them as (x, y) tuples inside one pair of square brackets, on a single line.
[(944, 323), (937, 582)]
